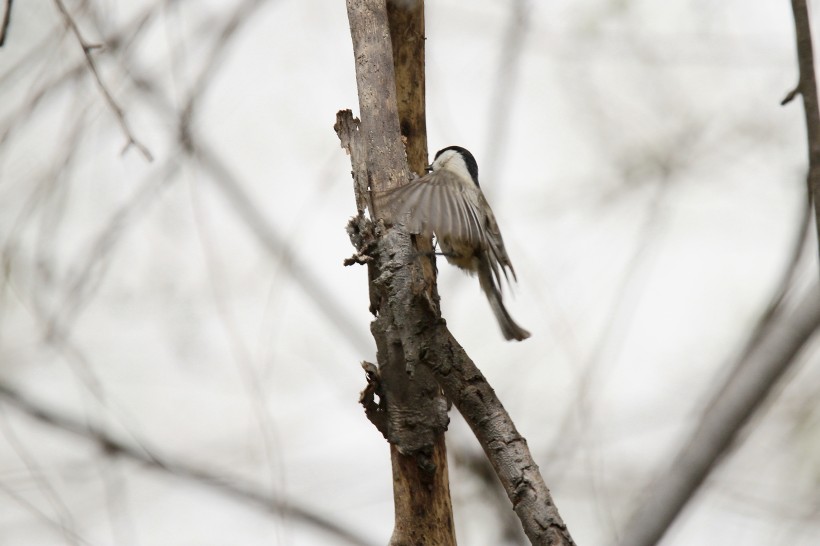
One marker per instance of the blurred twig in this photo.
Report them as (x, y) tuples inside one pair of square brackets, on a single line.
[(246, 210), (244, 207), (5, 25), (109, 98), (120, 40), (114, 447), (241, 15), (503, 92), (807, 87)]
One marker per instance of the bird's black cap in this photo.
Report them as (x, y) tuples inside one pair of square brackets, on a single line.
[(469, 160)]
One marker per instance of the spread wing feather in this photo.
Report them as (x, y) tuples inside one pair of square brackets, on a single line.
[(441, 203), (436, 203)]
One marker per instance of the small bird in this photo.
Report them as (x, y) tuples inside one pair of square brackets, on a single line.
[(448, 201)]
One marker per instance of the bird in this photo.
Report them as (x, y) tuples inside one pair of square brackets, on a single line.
[(448, 202)]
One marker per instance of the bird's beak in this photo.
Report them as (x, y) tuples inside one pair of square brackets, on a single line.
[(428, 168)]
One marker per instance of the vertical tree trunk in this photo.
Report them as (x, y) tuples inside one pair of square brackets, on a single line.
[(423, 516), (391, 96), (418, 357)]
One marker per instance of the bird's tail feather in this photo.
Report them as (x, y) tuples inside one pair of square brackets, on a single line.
[(509, 328)]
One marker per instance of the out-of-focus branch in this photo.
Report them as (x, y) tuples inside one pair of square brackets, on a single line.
[(240, 16), (503, 92), (109, 98), (807, 87), (771, 347), (114, 447), (754, 375), (246, 210), (4, 27), (314, 287)]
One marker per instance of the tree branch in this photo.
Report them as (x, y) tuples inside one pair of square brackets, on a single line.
[(427, 340), (4, 26), (807, 87), (416, 413), (408, 329), (113, 447), (753, 376), (109, 98)]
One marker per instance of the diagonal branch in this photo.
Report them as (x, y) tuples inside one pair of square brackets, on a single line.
[(140, 455), (426, 339), (755, 373), (807, 87), (109, 98)]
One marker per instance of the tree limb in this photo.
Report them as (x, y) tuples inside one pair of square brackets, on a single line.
[(754, 375), (427, 341), (114, 447), (416, 413), (408, 329)]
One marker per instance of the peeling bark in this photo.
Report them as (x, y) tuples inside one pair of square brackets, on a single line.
[(417, 356)]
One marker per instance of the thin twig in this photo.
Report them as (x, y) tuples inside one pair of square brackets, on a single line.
[(226, 484), (314, 286), (109, 98), (5, 26), (505, 85), (807, 87)]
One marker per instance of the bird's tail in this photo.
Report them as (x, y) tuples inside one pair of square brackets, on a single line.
[(509, 328)]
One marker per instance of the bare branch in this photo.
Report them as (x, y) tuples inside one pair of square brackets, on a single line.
[(754, 375), (313, 286), (425, 340), (506, 81), (416, 412), (241, 15), (109, 98), (4, 28), (248, 212), (225, 484), (408, 329), (506, 449), (807, 87)]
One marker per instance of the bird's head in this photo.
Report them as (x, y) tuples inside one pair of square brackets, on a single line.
[(457, 160)]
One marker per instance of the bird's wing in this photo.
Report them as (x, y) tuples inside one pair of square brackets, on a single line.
[(496, 249), (439, 203)]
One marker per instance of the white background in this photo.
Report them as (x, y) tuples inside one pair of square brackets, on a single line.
[(647, 182)]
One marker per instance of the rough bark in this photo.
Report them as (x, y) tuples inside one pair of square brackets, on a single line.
[(406, 21), (415, 413), (428, 345), (417, 356)]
